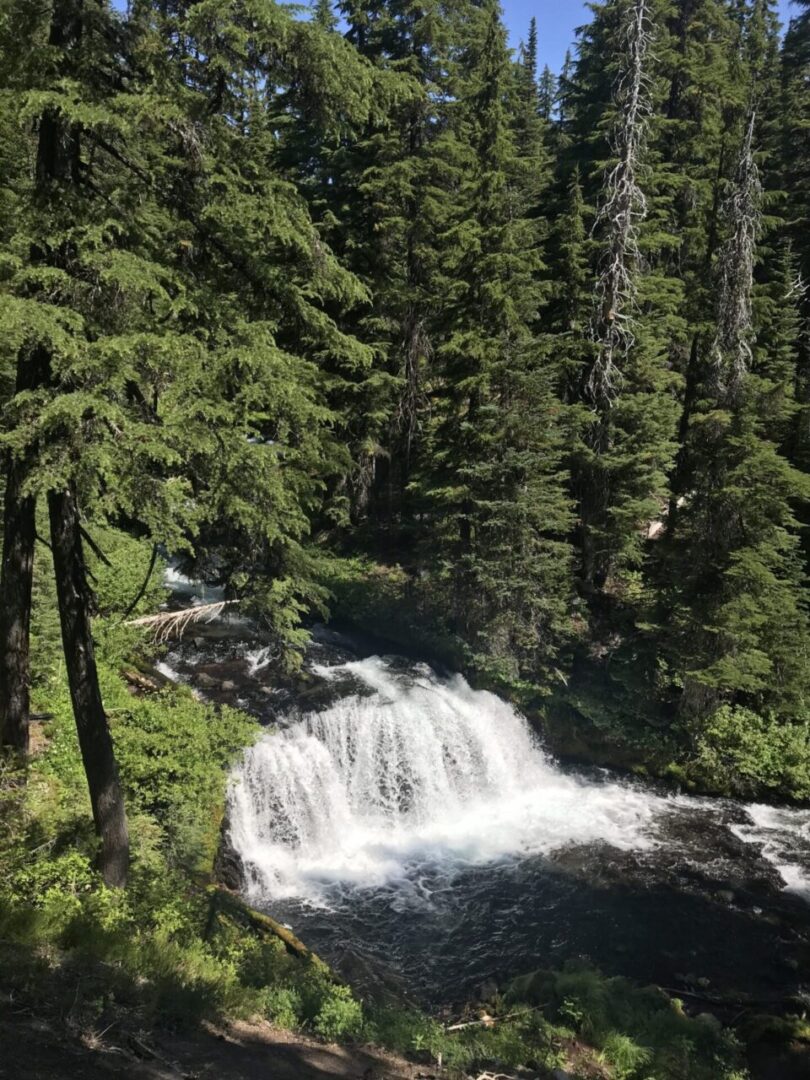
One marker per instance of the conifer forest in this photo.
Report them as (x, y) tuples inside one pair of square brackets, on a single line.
[(399, 437)]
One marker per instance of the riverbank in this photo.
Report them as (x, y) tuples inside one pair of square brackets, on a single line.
[(39, 1047)]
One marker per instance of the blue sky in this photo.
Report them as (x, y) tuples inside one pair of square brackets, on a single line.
[(556, 20)]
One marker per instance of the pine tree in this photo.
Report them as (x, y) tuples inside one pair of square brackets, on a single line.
[(162, 399), (795, 156), (571, 289), (392, 183), (794, 177), (531, 131), (563, 101), (324, 15), (44, 337), (546, 93), (492, 482), (625, 445), (704, 106), (738, 621)]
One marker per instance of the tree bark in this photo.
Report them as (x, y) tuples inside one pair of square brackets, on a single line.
[(16, 580), (17, 573), (57, 160), (95, 740)]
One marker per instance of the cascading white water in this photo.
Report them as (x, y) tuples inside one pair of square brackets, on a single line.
[(258, 659), (418, 771), (783, 836)]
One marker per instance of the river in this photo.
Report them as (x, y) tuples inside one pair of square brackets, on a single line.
[(415, 833)]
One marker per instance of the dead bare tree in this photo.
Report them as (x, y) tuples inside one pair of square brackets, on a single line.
[(731, 349), (623, 207)]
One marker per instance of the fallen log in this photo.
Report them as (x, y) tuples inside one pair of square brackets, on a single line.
[(166, 624), (228, 903), (140, 681)]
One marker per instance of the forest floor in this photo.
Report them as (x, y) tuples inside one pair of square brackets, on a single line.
[(40, 1049), (40, 1044)]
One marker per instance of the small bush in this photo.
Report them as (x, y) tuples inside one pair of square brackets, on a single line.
[(641, 1033), (340, 1015), (283, 1006), (738, 751)]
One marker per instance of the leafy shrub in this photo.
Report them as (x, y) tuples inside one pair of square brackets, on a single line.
[(738, 751), (641, 1033), (625, 1055), (283, 1006), (340, 1015)]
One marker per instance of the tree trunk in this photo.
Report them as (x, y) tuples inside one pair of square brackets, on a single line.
[(91, 722), (16, 579), (17, 573)]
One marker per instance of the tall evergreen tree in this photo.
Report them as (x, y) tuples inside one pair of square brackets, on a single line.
[(497, 510), (323, 13), (738, 621), (546, 93), (155, 397), (619, 463), (703, 110), (533, 158), (794, 175), (393, 184)]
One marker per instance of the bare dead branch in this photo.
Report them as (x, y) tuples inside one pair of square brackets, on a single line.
[(623, 207), (168, 624), (731, 350)]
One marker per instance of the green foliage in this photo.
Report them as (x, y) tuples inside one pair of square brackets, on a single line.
[(158, 950), (386, 601), (340, 1016), (641, 1033), (740, 752), (323, 313)]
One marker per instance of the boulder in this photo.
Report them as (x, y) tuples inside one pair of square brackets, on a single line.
[(487, 990)]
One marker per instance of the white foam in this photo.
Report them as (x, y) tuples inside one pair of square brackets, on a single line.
[(421, 771), (172, 576), (167, 670), (258, 659), (197, 592), (783, 835)]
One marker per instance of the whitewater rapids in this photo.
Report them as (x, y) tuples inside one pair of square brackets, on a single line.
[(416, 771)]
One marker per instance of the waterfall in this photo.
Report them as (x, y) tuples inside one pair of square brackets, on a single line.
[(416, 771)]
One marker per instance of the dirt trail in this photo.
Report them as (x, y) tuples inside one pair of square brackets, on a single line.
[(32, 1049)]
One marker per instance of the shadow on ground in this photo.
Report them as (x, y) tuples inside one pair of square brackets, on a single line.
[(35, 1049)]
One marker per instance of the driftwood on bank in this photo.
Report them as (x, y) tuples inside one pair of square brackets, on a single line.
[(168, 624), (141, 682), (489, 1021)]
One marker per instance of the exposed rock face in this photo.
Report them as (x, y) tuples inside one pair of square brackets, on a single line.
[(228, 869)]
